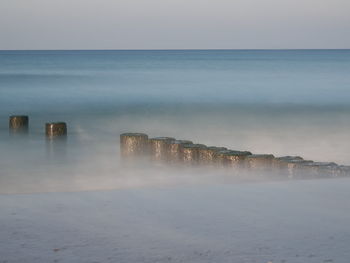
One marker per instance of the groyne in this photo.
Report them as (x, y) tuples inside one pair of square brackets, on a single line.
[(168, 151)]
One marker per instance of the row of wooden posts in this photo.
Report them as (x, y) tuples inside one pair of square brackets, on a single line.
[(168, 150), (20, 124)]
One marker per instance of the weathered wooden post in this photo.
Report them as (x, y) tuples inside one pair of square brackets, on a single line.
[(344, 170), (283, 159), (191, 153), (19, 123), (233, 159), (55, 129), (159, 148), (280, 165), (319, 169), (176, 150), (209, 155), (328, 169), (133, 145), (298, 168), (261, 163)]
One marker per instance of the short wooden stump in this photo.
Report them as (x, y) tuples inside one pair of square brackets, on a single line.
[(344, 170), (18, 123), (55, 129), (298, 168), (159, 148), (233, 159), (280, 164), (259, 162), (319, 169), (133, 144), (175, 152), (191, 153), (209, 155)]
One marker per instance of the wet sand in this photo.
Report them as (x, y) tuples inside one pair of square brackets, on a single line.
[(289, 221)]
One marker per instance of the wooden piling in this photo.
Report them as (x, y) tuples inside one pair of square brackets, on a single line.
[(259, 162), (209, 155), (55, 129), (233, 159), (176, 150), (19, 123), (159, 148), (285, 159), (344, 170), (319, 170), (191, 153), (298, 168), (280, 165), (133, 144)]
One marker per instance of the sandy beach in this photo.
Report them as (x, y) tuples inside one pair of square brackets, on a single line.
[(289, 221)]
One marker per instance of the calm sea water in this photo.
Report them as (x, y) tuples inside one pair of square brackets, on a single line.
[(281, 102)]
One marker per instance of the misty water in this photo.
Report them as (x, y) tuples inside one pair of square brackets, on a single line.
[(283, 102)]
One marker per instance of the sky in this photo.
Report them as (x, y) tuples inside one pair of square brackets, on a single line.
[(174, 24)]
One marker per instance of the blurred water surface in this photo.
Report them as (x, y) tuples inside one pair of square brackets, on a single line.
[(281, 102)]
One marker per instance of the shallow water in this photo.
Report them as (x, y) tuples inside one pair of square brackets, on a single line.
[(286, 102), (291, 222)]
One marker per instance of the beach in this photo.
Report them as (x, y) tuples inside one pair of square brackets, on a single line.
[(295, 221)]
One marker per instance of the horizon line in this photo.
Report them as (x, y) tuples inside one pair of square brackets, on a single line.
[(182, 49)]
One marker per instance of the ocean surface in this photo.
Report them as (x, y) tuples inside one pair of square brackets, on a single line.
[(283, 102)]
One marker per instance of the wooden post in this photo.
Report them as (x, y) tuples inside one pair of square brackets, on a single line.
[(299, 168), (260, 162), (191, 153), (233, 159), (55, 129), (159, 148), (19, 123), (209, 155), (133, 144), (319, 169), (176, 150), (344, 170), (280, 165)]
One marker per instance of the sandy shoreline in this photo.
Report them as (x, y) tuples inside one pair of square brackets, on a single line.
[(289, 221), (131, 178)]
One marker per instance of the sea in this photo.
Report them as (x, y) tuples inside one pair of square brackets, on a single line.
[(75, 200), (280, 102)]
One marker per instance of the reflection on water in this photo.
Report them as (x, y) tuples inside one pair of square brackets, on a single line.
[(56, 148)]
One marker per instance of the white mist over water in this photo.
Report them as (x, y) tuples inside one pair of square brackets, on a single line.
[(89, 158), (291, 102), (278, 102)]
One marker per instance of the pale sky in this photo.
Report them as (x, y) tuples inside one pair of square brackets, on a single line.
[(174, 24)]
